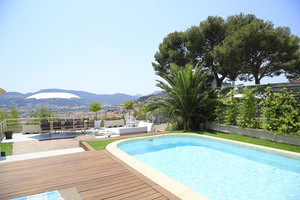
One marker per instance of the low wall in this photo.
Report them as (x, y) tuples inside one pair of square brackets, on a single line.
[(113, 123), (257, 133), (31, 129)]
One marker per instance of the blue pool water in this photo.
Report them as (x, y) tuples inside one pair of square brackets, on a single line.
[(220, 170)]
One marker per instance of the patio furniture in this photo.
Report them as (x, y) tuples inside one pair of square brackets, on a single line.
[(143, 127), (45, 126), (56, 126), (130, 121), (79, 125), (54, 95), (68, 124), (86, 119), (90, 124)]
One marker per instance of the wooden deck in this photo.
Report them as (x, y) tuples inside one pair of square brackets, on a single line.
[(95, 174)]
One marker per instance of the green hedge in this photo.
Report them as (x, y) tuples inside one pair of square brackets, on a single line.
[(280, 111)]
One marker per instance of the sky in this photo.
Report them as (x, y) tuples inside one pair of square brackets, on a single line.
[(107, 47)]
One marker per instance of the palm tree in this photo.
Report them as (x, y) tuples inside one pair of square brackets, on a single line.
[(185, 92)]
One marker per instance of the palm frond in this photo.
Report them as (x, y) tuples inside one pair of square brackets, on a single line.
[(184, 87)]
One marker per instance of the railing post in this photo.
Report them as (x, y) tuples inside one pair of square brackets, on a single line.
[(4, 125)]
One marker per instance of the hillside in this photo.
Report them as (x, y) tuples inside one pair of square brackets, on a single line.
[(18, 99)]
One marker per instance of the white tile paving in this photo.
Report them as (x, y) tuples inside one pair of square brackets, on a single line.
[(40, 154), (19, 137)]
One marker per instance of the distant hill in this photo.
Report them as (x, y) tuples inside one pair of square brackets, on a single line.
[(157, 92), (150, 97), (18, 99)]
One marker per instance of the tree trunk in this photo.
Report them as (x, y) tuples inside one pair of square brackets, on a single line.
[(219, 80), (257, 80), (185, 123)]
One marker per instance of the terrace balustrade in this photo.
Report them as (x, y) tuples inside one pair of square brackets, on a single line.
[(34, 125)]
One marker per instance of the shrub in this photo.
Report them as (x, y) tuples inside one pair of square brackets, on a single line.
[(219, 111), (113, 118), (248, 109), (178, 125), (232, 108), (281, 112)]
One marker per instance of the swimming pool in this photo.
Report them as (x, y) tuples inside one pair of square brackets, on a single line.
[(219, 169)]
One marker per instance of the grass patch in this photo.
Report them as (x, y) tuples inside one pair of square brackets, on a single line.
[(251, 140), (6, 149), (100, 145)]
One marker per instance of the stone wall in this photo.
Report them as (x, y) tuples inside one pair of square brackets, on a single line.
[(257, 133)]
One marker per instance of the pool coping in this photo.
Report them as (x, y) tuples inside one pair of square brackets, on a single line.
[(161, 179)]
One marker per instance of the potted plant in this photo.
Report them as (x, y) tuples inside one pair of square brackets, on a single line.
[(95, 107), (8, 134)]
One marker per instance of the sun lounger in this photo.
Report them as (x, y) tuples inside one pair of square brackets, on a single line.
[(143, 127)]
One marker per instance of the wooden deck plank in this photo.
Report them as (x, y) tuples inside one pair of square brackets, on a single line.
[(131, 195), (112, 188), (116, 193), (95, 174), (160, 198), (153, 196), (142, 195)]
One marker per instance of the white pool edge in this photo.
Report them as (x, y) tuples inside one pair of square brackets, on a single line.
[(252, 145), (178, 189)]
